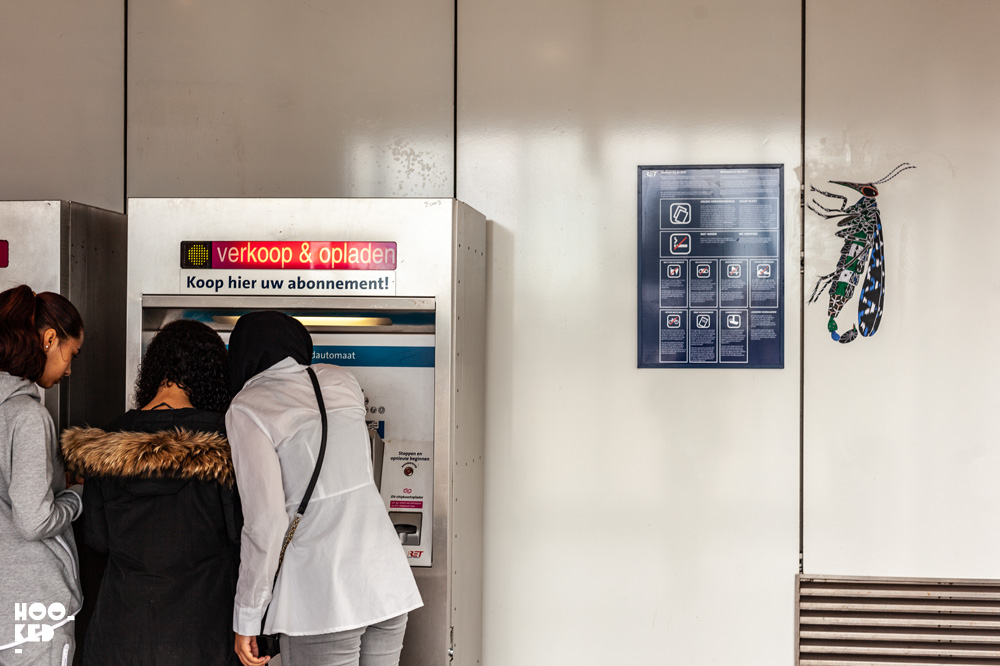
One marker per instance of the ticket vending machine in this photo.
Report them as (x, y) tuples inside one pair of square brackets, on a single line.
[(77, 251), (393, 289)]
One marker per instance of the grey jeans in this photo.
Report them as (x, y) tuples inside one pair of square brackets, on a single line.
[(375, 645)]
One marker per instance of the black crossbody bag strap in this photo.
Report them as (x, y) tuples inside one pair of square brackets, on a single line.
[(309, 490), (322, 443)]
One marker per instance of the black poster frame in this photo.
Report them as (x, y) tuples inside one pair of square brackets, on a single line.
[(711, 206)]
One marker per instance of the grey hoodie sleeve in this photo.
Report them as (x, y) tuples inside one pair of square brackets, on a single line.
[(39, 512)]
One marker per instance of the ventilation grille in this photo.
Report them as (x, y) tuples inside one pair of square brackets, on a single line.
[(845, 621)]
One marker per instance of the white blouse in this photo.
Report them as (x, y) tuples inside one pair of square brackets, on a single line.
[(345, 567)]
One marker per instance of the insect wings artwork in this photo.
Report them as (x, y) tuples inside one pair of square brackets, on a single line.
[(863, 250)]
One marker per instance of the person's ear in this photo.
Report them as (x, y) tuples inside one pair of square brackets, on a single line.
[(49, 337)]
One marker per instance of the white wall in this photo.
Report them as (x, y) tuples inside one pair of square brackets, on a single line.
[(632, 515), (900, 433), (254, 98)]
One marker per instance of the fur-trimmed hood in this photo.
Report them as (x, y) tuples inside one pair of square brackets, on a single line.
[(176, 453)]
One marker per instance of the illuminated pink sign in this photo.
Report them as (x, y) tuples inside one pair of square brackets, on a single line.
[(297, 255)]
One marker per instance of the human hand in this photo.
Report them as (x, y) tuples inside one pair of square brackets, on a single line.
[(246, 650)]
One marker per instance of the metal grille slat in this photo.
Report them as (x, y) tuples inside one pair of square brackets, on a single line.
[(911, 651), (872, 621), (895, 662), (899, 593), (943, 608), (906, 636), (847, 621)]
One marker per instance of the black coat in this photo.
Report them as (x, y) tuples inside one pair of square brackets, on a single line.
[(159, 499)]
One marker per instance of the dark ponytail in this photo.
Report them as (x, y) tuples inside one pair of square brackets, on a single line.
[(23, 315)]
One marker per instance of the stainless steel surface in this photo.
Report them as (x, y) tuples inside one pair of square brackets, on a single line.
[(291, 99), (34, 232), (79, 252), (62, 73), (95, 275), (441, 247), (467, 528)]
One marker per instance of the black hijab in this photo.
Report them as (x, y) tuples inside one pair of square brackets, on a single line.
[(261, 339)]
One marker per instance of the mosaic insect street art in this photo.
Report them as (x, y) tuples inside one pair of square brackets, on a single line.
[(861, 228)]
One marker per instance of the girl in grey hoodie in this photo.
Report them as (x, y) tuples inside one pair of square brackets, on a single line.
[(40, 334)]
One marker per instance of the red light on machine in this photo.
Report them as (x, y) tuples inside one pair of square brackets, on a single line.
[(4, 254), (298, 255)]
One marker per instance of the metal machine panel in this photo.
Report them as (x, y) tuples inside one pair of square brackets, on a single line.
[(468, 471), (94, 248), (436, 314), (77, 251), (32, 230)]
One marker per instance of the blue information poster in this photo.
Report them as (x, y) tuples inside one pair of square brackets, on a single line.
[(711, 257)]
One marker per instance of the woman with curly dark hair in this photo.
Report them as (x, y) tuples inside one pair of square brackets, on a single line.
[(160, 500), (192, 358)]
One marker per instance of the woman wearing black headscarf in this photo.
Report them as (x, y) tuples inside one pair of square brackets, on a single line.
[(344, 587)]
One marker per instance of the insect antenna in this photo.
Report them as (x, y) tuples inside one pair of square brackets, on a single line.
[(895, 172)]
